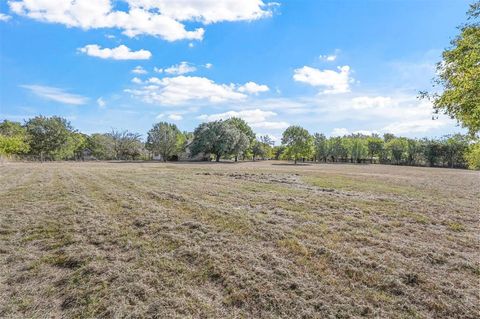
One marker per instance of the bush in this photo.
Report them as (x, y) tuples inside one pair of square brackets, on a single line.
[(11, 145), (472, 156)]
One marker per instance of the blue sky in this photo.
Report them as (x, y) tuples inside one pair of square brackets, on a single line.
[(335, 67)]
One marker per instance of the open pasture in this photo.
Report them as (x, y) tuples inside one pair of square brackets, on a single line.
[(264, 240)]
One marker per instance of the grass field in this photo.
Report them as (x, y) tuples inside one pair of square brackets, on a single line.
[(264, 240)]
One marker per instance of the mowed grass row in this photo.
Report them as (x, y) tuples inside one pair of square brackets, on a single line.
[(148, 240)]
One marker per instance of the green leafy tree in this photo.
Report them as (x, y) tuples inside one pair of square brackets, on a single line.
[(337, 148), (13, 138), (278, 151), (387, 137), (397, 147), (9, 128), (413, 151), (217, 138), (432, 151), (298, 141), (126, 145), (74, 146), (458, 75), (101, 146), (245, 140), (472, 156), (258, 150), (374, 146), (455, 147), (358, 149), (165, 139), (48, 135), (240, 144), (242, 126), (13, 145), (322, 149)]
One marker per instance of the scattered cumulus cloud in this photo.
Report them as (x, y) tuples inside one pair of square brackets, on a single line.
[(182, 89), (181, 68), (101, 102), (137, 80), (253, 88), (332, 81), (162, 18), (271, 125), (139, 70), (157, 70), (328, 58), (365, 102), (175, 117), (56, 94), (121, 52), (256, 118), (208, 65), (250, 116), (4, 17), (415, 126)]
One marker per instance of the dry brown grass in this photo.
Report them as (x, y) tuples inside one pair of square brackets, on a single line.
[(148, 240)]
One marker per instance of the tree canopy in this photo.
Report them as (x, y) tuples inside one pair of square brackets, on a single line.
[(164, 139), (458, 75), (298, 141), (219, 138)]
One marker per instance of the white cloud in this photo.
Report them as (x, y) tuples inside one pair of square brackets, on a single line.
[(274, 138), (163, 18), (251, 116), (339, 131), (328, 58), (191, 45), (208, 65), (4, 17), (121, 52), (253, 88), (157, 70), (139, 70), (366, 132), (256, 118), (181, 68), (137, 80), (365, 102), (332, 81), (271, 125), (101, 102), (417, 126), (175, 117), (56, 94), (180, 89)]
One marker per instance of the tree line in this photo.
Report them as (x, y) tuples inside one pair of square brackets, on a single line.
[(53, 138)]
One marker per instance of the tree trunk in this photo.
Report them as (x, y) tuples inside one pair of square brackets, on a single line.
[(236, 158), (295, 161), (217, 159)]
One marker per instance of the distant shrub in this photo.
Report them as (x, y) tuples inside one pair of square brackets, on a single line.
[(472, 156)]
